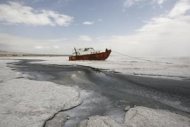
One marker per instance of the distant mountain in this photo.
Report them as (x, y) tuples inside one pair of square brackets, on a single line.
[(8, 53)]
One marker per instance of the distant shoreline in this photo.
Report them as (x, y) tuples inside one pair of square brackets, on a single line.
[(33, 55), (24, 54), (30, 55)]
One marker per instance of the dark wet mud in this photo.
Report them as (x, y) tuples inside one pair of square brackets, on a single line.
[(108, 93)]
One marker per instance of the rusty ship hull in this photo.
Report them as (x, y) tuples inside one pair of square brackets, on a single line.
[(95, 56)]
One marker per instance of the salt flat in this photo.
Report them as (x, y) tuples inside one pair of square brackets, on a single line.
[(33, 91), (163, 67), (29, 103)]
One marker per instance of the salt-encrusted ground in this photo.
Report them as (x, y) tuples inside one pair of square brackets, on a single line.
[(6, 73), (28, 103), (158, 67), (140, 117)]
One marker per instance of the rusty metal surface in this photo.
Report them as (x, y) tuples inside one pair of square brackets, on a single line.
[(96, 56)]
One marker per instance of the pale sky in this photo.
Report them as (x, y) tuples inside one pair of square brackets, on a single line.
[(133, 27)]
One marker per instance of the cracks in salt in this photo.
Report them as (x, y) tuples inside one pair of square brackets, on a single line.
[(59, 118)]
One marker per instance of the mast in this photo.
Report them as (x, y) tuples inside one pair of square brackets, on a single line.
[(75, 51)]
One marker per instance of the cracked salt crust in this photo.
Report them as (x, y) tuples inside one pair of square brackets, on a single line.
[(28, 103)]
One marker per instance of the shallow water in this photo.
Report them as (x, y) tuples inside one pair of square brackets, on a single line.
[(108, 93)]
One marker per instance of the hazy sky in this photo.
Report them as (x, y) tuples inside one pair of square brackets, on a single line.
[(134, 27)]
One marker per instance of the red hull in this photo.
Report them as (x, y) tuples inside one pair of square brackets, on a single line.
[(96, 56)]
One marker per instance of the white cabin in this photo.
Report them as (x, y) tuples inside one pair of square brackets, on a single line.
[(84, 51)]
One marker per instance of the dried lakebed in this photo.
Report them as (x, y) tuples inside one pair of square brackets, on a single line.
[(107, 93)]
